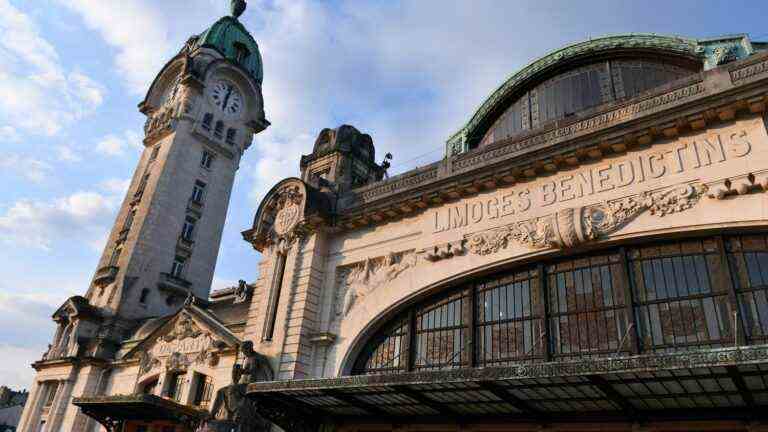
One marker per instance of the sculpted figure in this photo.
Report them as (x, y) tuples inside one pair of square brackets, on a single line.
[(232, 410)]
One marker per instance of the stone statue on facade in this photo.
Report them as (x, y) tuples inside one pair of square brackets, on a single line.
[(232, 410)]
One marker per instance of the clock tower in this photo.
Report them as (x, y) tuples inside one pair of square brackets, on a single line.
[(203, 109)]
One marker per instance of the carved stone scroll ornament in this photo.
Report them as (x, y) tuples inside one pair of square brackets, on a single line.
[(358, 280), (573, 226), (185, 328)]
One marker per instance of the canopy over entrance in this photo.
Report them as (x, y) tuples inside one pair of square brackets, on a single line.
[(111, 411), (716, 384)]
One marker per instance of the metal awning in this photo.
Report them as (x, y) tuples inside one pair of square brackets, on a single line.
[(727, 383), (111, 410)]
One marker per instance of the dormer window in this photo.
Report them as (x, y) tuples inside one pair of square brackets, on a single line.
[(241, 52)]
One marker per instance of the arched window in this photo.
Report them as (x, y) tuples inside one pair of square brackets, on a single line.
[(656, 297)]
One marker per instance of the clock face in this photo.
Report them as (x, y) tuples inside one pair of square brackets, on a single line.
[(227, 97)]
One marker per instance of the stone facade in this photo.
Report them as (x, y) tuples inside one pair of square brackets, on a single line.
[(348, 258)]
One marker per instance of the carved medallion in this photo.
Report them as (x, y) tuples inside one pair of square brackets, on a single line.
[(286, 218)]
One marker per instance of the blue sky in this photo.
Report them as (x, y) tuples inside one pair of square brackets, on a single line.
[(408, 72)]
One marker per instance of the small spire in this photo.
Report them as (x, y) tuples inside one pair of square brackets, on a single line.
[(237, 7)]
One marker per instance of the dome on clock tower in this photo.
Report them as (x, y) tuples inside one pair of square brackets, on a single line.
[(230, 37)]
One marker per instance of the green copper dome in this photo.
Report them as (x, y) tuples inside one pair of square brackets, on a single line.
[(231, 38)]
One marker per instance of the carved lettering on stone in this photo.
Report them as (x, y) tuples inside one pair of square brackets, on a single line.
[(689, 155), (358, 280), (573, 226)]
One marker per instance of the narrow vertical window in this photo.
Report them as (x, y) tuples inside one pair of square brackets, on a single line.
[(203, 390), (144, 295), (53, 387), (274, 296), (218, 132), (206, 160), (231, 134), (241, 52), (129, 220), (142, 184), (177, 269), (115, 257), (188, 231), (207, 120), (176, 386), (197, 192), (155, 152)]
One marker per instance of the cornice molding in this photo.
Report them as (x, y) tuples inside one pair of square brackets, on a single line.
[(685, 105)]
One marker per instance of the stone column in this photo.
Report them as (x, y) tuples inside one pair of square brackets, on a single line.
[(304, 285)]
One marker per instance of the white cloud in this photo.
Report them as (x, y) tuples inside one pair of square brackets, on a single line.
[(117, 145), (27, 167), (115, 186), (67, 154), (37, 94), (24, 344), (39, 224), (16, 368), (146, 33), (9, 134)]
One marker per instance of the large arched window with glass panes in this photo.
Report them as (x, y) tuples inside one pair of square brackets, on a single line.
[(648, 298)]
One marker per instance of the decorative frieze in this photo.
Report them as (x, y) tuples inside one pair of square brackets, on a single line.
[(739, 185), (597, 122), (405, 181), (744, 73), (356, 281), (444, 250), (588, 366), (573, 226)]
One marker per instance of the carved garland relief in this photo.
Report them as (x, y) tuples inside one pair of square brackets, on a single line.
[(357, 280), (573, 226)]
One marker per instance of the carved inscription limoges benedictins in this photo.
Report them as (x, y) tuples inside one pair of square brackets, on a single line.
[(632, 170)]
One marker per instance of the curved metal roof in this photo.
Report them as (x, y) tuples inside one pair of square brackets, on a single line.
[(694, 49)]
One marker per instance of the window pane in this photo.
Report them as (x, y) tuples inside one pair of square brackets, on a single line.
[(586, 320), (681, 314)]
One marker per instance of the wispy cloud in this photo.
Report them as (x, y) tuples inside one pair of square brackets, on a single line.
[(39, 224), (37, 93), (118, 145), (29, 168)]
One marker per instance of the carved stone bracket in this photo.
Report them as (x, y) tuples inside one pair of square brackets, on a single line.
[(573, 226), (444, 250), (356, 281), (740, 185)]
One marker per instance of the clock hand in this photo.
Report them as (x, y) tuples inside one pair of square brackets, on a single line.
[(226, 98)]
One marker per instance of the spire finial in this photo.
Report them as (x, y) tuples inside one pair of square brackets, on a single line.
[(237, 7)]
